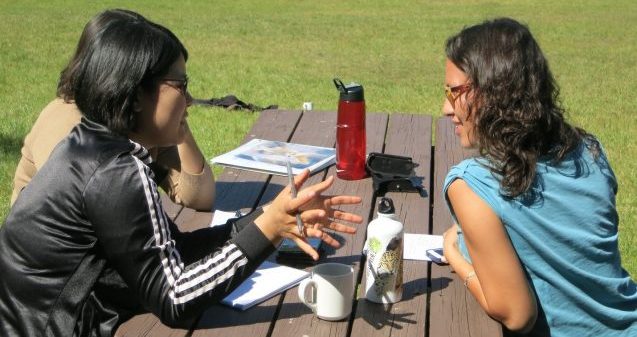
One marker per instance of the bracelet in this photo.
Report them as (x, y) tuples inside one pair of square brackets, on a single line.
[(471, 275)]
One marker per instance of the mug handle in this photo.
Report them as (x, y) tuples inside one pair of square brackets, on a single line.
[(308, 282)]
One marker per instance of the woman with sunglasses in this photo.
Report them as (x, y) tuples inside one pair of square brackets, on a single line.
[(87, 243), (536, 235), (180, 170)]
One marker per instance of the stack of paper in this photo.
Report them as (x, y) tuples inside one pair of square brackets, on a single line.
[(268, 280)]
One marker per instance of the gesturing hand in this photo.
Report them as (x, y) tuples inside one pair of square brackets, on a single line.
[(317, 213)]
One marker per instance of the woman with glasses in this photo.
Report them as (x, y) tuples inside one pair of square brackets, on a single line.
[(87, 243), (180, 170), (536, 234)]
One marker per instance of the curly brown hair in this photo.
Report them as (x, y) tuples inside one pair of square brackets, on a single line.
[(515, 107)]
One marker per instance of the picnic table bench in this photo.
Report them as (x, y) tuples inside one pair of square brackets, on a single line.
[(435, 303)]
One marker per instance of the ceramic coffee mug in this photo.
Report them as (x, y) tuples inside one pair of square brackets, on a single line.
[(332, 290)]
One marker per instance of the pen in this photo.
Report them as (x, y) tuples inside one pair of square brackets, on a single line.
[(299, 222)]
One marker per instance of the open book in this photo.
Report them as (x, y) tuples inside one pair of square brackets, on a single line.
[(268, 280), (271, 157)]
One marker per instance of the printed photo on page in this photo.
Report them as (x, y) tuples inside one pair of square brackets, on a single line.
[(272, 156)]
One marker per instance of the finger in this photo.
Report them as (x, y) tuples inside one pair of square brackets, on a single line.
[(328, 239), (344, 200), (306, 247), (301, 199), (314, 216), (320, 217), (319, 188), (339, 227), (345, 216), (308, 193), (301, 178)]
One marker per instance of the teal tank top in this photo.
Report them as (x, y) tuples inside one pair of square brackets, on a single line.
[(565, 234)]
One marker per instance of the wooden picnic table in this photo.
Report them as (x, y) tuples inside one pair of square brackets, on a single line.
[(435, 303)]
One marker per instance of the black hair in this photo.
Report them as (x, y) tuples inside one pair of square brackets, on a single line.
[(123, 58), (91, 29), (515, 106)]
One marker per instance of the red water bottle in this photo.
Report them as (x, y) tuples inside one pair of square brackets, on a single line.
[(350, 132)]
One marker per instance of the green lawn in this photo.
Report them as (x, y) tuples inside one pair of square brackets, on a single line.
[(286, 52)]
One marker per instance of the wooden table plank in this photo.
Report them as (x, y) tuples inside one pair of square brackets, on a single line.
[(407, 135), (453, 310), (295, 319)]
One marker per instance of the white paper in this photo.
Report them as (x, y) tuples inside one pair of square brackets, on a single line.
[(268, 280), (219, 218), (416, 246)]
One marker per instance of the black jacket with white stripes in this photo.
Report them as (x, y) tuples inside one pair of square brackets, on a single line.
[(87, 244)]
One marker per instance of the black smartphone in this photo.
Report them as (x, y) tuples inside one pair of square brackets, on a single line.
[(290, 254)]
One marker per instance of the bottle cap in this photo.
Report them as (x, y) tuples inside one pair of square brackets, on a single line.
[(351, 92), (386, 206)]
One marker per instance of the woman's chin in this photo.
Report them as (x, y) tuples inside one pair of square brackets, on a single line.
[(466, 143)]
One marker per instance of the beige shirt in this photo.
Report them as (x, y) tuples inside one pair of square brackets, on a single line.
[(54, 124)]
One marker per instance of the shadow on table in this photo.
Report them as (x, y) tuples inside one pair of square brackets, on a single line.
[(220, 316), (440, 283), (377, 315), (232, 196), (381, 315)]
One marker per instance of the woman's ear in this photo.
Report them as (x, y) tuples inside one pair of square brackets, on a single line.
[(139, 99), (139, 104)]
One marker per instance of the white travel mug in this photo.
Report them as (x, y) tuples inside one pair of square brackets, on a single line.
[(332, 290)]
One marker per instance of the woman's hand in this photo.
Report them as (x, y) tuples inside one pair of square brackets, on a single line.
[(450, 243), (317, 213), (190, 156)]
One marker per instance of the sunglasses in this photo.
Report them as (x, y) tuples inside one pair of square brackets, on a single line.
[(453, 93), (182, 86)]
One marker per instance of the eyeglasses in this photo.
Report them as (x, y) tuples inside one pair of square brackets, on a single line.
[(183, 84), (453, 93)]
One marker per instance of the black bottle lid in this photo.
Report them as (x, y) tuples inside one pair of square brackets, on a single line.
[(386, 206), (351, 92)]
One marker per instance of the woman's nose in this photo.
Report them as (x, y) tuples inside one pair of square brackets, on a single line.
[(447, 109)]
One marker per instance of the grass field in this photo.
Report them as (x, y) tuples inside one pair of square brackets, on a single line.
[(286, 52)]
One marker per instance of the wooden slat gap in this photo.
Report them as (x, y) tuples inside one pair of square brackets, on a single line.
[(261, 193), (296, 125), (432, 198), (277, 311)]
